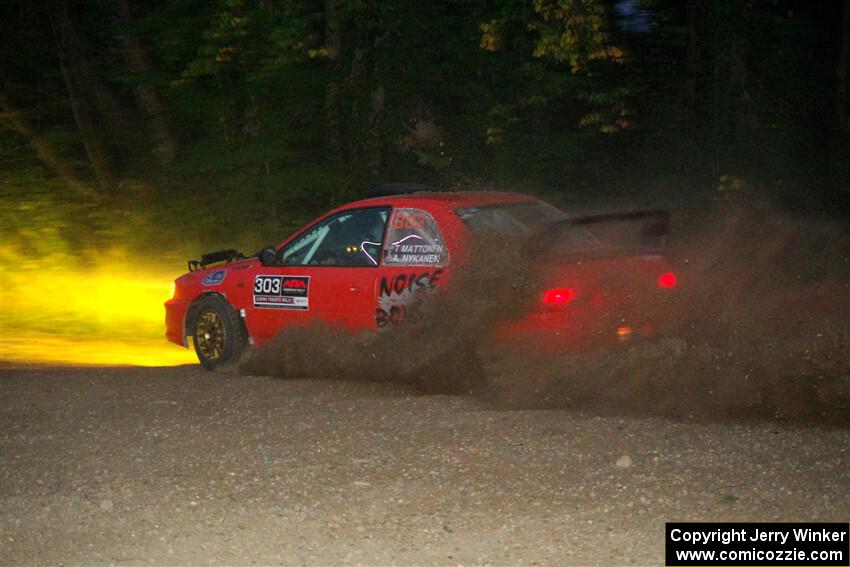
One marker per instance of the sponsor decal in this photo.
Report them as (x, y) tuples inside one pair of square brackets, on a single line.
[(396, 293), (214, 278), (414, 240), (282, 292), (413, 250), (406, 219)]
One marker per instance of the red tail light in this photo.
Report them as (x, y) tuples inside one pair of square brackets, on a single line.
[(558, 296), (667, 280)]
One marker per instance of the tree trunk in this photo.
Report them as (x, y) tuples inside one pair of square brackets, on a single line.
[(333, 134), (108, 108), (17, 121), (69, 63), (693, 56), (164, 143), (376, 115), (333, 38), (841, 102), (88, 132)]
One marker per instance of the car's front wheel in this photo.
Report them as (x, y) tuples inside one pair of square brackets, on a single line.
[(218, 333)]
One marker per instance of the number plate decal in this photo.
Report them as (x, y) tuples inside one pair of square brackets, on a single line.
[(282, 292)]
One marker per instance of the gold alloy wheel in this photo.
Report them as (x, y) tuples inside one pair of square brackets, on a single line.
[(210, 335)]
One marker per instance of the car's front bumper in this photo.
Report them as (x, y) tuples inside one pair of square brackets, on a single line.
[(175, 320)]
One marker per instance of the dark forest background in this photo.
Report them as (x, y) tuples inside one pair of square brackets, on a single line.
[(185, 123)]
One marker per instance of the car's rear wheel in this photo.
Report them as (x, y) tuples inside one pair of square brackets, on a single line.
[(218, 333)]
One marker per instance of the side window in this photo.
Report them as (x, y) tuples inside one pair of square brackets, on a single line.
[(413, 239), (351, 238)]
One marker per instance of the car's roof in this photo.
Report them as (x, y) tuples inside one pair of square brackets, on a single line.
[(457, 199)]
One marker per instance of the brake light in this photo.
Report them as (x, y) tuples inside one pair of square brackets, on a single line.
[(558, 296), (667, 280)]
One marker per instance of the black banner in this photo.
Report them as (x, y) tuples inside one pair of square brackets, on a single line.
[(805, 544)]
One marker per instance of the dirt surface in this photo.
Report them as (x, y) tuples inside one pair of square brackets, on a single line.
[(179, 466)]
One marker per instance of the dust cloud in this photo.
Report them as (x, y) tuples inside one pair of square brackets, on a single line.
[(762, 332)]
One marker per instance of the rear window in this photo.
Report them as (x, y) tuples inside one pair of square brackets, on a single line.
[(514, 219)]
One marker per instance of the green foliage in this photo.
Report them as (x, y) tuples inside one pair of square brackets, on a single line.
[(572, 31), (244, 40), (274, 123)]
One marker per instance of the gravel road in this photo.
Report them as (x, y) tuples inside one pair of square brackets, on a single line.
[(131, 466)]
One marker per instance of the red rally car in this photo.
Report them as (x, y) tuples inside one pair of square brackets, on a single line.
[(359, 266)]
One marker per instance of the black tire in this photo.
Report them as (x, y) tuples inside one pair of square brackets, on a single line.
[(217, 332)]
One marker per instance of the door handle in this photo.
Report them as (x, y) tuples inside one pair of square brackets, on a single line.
[(354, 289)]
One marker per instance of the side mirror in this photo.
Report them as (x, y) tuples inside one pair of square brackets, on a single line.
[(268, 256)]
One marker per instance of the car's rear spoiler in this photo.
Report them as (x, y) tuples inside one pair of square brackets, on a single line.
[(210, 258), (655, 223), (637, 231)]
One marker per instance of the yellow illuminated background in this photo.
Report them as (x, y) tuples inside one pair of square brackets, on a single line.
[(59, 309)]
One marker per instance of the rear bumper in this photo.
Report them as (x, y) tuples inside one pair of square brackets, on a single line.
[(175, 321), (571, 333)]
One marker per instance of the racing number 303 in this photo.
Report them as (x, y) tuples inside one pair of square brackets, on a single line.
[(282, 292), (267, 285)]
